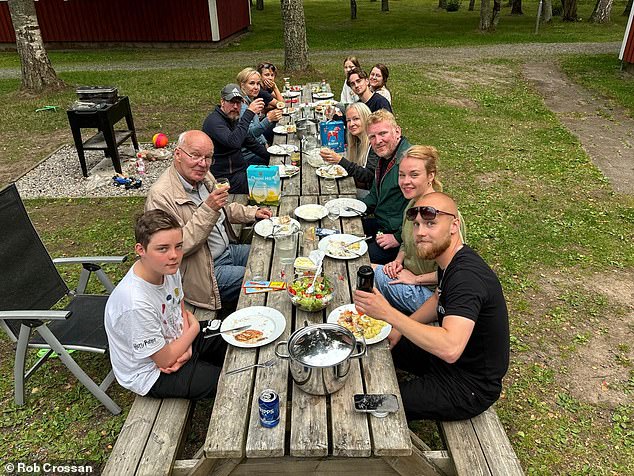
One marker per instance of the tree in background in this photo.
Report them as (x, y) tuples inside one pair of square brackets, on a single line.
[(385, 5), (353, 9), (295, 45), (570, 10), (489, 17), (601, 12), (37, 72), (516, 7), (259, 5), (628, 8)]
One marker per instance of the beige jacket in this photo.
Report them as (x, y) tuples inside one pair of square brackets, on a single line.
[(197, 268)]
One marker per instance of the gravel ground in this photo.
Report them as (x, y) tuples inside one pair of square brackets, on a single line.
[(60, 175)]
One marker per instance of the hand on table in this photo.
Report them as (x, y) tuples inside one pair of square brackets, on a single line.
[(392, 269), (218, 198), (330, 156), (263, 213), (373, 304), (387, 241)]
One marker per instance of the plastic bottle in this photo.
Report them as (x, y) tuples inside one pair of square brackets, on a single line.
[(140, 166)]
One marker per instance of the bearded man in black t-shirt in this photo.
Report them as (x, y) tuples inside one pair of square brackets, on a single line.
[(459, 364)]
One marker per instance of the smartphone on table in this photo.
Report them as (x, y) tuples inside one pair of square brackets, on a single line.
[(379, 404)]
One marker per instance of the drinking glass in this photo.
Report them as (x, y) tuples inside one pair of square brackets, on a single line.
[(221, 183), (259, 192), (329, 186), (333, 212)]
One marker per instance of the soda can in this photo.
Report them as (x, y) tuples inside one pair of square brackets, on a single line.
[(269, 406)]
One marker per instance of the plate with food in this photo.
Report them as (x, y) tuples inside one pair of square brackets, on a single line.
[(265, 325), (331, 171), (287, 171), (283, 225), (282, 149), (341, 246), (311, 212), (350, 207), (291, 94), (288, 129), (323, 95), (373, 330)]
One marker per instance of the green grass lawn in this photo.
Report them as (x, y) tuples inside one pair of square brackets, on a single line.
[(535, 206)]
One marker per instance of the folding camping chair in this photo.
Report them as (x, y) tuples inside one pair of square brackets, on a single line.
[(30, 285)]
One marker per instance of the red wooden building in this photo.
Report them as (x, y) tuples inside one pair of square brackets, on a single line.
[(138, 21), (627, 49)]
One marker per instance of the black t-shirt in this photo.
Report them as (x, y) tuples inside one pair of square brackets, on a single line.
[(377, 102), (267, 96), (469, 288)]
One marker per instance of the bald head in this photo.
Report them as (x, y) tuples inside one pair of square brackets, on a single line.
[(193, 155), (440, 201), (193, 137)]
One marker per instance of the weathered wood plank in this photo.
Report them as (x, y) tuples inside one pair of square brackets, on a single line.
[(133, 437), (229, 419), (330, 466), (464, 448), (263, 442), (495, 443), (165, 437)]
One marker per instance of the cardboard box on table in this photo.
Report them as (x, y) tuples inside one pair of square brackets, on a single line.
[(265, 177)]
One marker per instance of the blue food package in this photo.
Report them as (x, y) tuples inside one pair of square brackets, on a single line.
[(332, 135), (265, 186)]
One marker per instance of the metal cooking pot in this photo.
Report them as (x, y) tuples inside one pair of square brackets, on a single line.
[(320, 357)]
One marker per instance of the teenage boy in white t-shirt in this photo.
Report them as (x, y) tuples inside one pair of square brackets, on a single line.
[(156, 347)]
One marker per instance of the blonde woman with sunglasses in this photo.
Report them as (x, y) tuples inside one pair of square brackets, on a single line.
[(408, 281)]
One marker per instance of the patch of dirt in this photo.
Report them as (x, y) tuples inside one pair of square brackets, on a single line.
[(596, 371), (605, 131), (489, 75), (464, 103)]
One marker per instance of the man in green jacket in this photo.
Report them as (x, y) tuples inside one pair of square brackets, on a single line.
[(385, 200)]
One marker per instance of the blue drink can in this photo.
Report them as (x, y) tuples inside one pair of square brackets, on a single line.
[(269, 405)]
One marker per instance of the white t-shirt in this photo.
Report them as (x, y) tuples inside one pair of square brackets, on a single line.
[(140, 319)]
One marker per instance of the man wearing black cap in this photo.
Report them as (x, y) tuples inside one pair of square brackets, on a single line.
[(229, 133)]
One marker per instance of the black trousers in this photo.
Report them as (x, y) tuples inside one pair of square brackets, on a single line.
[(377, 254), (438, 391), (198, 378)]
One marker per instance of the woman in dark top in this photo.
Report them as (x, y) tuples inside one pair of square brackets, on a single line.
[(361, 160)]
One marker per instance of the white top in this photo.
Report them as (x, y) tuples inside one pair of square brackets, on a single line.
[(347, 95), (383, 91), (140, 319)]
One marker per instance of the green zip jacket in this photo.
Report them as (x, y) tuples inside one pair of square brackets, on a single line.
[(385, 199)]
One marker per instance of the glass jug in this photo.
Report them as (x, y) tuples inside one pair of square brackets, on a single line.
[(286, 245)]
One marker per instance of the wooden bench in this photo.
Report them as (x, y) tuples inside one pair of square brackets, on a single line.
[(480, 446), (153, 433)]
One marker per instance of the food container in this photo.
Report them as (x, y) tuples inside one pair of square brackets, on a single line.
[(304, 266), (311, 302), (97, 94), (320, 357)]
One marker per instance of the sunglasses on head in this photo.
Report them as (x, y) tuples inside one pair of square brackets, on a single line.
[(427, 213), (266, 66)]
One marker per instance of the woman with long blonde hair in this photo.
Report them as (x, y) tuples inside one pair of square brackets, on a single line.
[(408, 281), (360, 161)]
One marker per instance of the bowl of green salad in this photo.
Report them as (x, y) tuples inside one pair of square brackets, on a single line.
[(311, 302)]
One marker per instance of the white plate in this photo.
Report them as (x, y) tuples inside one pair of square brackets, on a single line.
[(282, 149), (280, 130), (334, 317), (264, 228), (311, 212), (333, 251), (314, 159), (292, 94), (323, 95), (348, 202), (331, 171), (268, 320), (287, 171)]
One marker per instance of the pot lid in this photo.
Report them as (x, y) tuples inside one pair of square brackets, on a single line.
[(321, 345)]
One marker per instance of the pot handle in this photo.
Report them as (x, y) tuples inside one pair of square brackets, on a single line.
[(280, 355), (360, 353)]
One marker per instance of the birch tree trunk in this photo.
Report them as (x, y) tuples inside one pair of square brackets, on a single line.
[(547, 11), (37, 72), (295, 45), (485, 15), (601, 12), (385, 5), (353, 9), (259, 5)]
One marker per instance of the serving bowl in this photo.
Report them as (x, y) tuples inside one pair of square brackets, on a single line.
[(322, 295)]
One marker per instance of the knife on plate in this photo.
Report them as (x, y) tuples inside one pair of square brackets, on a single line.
[(227, 331)]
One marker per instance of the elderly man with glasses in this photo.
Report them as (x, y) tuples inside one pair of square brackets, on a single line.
[(213, 264), (458, 364), (230, 133)]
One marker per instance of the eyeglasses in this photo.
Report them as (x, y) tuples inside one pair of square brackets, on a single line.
[(197, 157), (427, 213)]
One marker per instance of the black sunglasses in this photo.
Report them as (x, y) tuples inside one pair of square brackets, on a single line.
[(270, 66), (427, 213)]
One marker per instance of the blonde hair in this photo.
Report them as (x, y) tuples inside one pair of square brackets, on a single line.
[(382, 115), (244, 75), (428, 154), (353, 60), (358, 146)]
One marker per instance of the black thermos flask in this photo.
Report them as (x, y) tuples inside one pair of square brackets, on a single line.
[(365, 278)]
